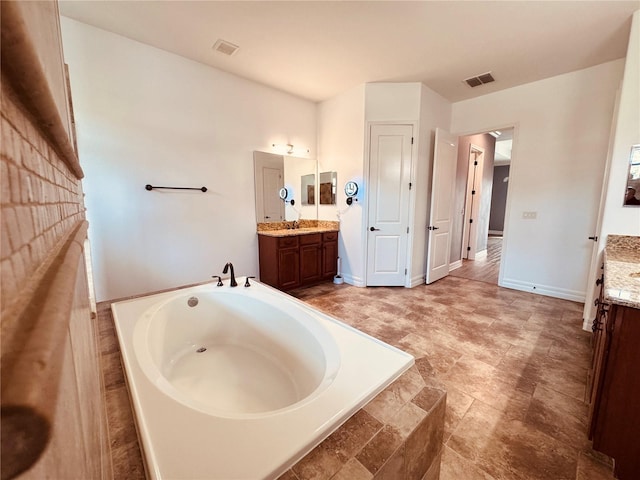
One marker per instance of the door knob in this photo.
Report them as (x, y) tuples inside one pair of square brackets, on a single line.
[(595, 239), (433, 228), (374, 229)]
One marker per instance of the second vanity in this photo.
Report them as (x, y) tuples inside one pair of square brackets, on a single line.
[(614, 389), (295, 257)]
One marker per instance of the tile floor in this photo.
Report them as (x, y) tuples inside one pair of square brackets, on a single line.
[(485, 268), (514, 366)]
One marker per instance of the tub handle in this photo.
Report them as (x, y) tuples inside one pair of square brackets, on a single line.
[(246, 282), (219, 280)]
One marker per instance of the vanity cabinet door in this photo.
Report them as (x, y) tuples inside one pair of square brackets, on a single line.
[(279, 261), (288, 268), (329, 259), (310, 258)]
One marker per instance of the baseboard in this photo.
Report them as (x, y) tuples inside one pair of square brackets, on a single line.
[(353, 280), (496, 232), (546, 290), (481, 254), (454, 265), (417, 280)]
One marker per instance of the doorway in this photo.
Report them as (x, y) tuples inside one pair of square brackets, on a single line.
[(482, 186)]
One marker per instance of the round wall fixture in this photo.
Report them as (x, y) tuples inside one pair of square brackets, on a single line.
[(351, 189), (283, 193)]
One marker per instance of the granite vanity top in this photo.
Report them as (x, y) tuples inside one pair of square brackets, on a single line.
[(622, 270), (306, 227)]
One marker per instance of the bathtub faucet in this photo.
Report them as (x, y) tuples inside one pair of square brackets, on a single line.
[(233, 275)]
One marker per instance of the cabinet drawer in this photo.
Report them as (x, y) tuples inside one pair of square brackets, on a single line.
[(285, 242), (329, 236), (310, 239)]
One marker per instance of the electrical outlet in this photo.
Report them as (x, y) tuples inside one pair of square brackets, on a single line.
[(529, 215)]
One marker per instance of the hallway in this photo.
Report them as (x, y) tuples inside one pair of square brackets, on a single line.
[(484, 269)]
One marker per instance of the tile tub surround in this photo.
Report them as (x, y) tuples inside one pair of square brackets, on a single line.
[(622, 270), (513, 364)]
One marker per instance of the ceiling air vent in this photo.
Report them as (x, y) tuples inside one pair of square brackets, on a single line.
[(225, 47), (479, 80)]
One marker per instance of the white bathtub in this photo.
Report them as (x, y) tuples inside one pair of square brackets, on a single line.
[(240, 383)]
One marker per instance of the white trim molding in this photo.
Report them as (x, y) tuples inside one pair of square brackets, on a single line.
[(455, 265), (547, 290)]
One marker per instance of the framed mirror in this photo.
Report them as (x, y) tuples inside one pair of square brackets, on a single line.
[(632, 187), (273, 172), (328, 184), (308, 189)]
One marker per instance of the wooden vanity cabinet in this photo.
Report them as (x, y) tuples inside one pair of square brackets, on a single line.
[(297, 260), (614, 414)]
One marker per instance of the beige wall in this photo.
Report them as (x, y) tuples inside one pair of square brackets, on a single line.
[(556, 121), (625, 132)]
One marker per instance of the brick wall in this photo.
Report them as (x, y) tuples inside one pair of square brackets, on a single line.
[(41, 199)]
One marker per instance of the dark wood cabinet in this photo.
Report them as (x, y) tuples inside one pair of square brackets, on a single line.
[(614, 417), (297, 260)]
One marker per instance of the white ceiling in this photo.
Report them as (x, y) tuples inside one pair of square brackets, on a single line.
[(318, 49)]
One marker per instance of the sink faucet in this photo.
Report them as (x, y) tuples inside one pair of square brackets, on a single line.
[(233, 276)]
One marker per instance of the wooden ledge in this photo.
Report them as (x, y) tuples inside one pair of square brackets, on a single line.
[(33, 350)]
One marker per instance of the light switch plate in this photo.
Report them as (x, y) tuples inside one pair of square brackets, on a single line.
[(529, 215)]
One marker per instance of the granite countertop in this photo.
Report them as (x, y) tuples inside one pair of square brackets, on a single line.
[(296, 231), (306, 227), (622, 270)]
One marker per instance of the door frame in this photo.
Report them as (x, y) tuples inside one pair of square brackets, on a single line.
[(467, 228), (590, 309), (412, 197), (514, 173)]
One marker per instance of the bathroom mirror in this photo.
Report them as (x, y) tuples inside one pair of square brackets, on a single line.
[(328, 188), (273, 172), (632, 186), (308, 189)]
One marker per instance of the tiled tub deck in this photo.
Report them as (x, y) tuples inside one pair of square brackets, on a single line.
[(398, 435)]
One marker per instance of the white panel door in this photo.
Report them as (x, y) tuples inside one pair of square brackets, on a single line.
[(273, 181), (445, 157), (269, 179), (389, 176)]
